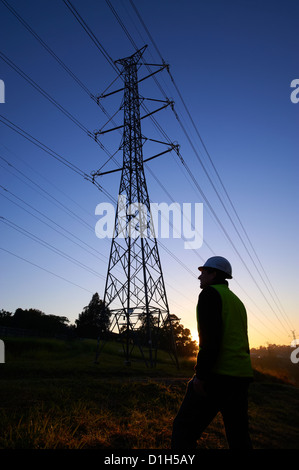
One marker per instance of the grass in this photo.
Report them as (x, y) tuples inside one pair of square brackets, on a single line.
[(53, 396)]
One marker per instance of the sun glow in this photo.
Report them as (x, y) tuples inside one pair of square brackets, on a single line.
[(194, 335)]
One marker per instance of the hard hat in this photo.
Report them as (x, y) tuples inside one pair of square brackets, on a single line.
[(220, 263)]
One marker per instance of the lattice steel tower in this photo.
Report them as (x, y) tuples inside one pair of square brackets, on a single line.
[(135, 290)]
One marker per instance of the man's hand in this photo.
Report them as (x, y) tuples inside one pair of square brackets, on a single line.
[(198, 387)]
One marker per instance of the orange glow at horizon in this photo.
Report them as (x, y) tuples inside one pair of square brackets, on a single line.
[(194, 335)]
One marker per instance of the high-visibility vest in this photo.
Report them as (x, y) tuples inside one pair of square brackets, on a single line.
[(234, 357)]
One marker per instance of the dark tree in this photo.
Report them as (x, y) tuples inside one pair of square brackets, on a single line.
[(162, 335), (5, 318), (34, 319), (185, 345), (94, 321)]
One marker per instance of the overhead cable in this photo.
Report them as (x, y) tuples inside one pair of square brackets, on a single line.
[(193, 179), (212, 163), (44, 269)]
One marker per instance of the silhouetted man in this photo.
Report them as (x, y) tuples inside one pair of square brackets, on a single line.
[(223, 368)]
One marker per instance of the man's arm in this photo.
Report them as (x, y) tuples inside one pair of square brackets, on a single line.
[(209, 318)]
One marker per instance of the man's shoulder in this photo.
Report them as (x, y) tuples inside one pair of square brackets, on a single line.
[(209, 290), (208, 293)]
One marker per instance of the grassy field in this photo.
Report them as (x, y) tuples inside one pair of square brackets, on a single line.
[(53, 396)]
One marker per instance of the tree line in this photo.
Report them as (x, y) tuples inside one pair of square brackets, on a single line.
[(93, 322), (282, 361)]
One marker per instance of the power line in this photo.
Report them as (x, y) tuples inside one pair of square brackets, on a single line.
[(191, 175), (162, 245), (91, 35), (53, 200), (121, 23), (22, 200), (63, 207), (210, 159), (39, 175), (52, 153), (53, 101), (225, 208), (44, 269), (88, 29), (64, 161), (195, 182), (106, 55), (48, 225), (43, 147), (64, 66), (39, 39), (68, 210), (48, 245), (43, 92), (83, 242), (95, 252), (65, 3)]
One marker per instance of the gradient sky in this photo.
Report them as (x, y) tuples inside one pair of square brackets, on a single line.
[(233, 62)]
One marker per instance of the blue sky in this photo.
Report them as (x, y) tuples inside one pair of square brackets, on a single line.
[(233, 63)]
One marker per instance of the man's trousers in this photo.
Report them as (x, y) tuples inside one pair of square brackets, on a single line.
[(224, 394)]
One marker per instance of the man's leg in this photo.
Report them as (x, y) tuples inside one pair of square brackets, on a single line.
[(235, 414), (194, 416)]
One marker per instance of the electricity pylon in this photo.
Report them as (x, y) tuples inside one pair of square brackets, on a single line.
[(135, 291)]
